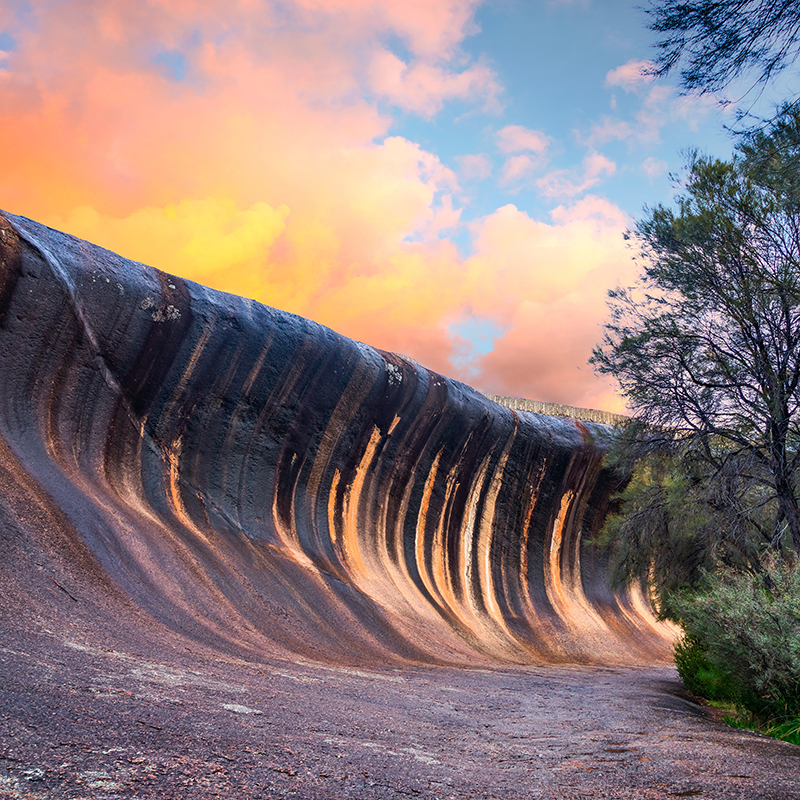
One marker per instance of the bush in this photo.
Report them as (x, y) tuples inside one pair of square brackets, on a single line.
[(699, 675), (742, 638)]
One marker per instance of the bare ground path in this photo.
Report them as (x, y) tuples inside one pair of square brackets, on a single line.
[(80, 720)]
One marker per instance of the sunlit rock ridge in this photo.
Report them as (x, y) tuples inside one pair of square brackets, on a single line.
[(179, 462)]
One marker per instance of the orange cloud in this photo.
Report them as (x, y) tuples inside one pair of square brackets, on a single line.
[(203, 239), (246, 146)]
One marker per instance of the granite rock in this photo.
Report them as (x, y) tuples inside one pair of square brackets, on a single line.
[(176, 461)]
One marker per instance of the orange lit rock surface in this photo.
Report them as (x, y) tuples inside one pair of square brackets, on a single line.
[(252, 480)]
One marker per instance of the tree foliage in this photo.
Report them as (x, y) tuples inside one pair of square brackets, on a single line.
[(707, 347), (682, 515), (717, 40)]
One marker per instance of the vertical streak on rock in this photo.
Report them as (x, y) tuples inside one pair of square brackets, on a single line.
[(555, 584), (392, 561), (352, 511), (333, 524), (531, 618), (173, 455), (421, 532), (472, 602), (572, 576), (488, 564), (443, 569), (335, 427)]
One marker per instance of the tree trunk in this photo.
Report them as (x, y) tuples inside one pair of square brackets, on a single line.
[(788, 511), (788, 517)]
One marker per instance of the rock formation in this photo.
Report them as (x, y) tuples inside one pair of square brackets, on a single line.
[(176, 461)]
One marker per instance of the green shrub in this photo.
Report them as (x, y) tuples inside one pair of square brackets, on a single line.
[(742, 637), (699, 675)]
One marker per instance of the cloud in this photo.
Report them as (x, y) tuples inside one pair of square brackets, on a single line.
[(428, 28), (693, 109), (609, 129), (544, 357), (551, 284), (433, 222), (198, 238), (423, 87), (367, 201), (472, 338), (633, 76), (659, 105), (525, 151), (570, 183), (474, 167), (654, 167), (516, 168), (7, 45), (518, 139)]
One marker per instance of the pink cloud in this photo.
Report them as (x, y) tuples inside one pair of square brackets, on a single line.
[(654, 167), (423, 88), (525, 153), (518, 139), (570, 183), (544, 357), (551, 283), (440, 219), (609, 129), (517, 168), (631, 76), (474, 167), (660, 105), (430, 28)]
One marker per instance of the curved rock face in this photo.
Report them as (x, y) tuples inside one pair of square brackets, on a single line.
[(178, 461)]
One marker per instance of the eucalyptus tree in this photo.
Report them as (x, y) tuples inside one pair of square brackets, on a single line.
[(712, 42), (707, 345)]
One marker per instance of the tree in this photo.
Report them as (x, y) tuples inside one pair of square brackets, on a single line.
[(717, 40), (707, 347)]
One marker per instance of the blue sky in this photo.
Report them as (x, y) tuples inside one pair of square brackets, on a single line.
[(556, 63)]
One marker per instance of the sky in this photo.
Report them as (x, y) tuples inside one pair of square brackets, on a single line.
[(446, 179)]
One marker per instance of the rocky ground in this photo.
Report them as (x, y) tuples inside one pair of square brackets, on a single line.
[(79, 720)]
